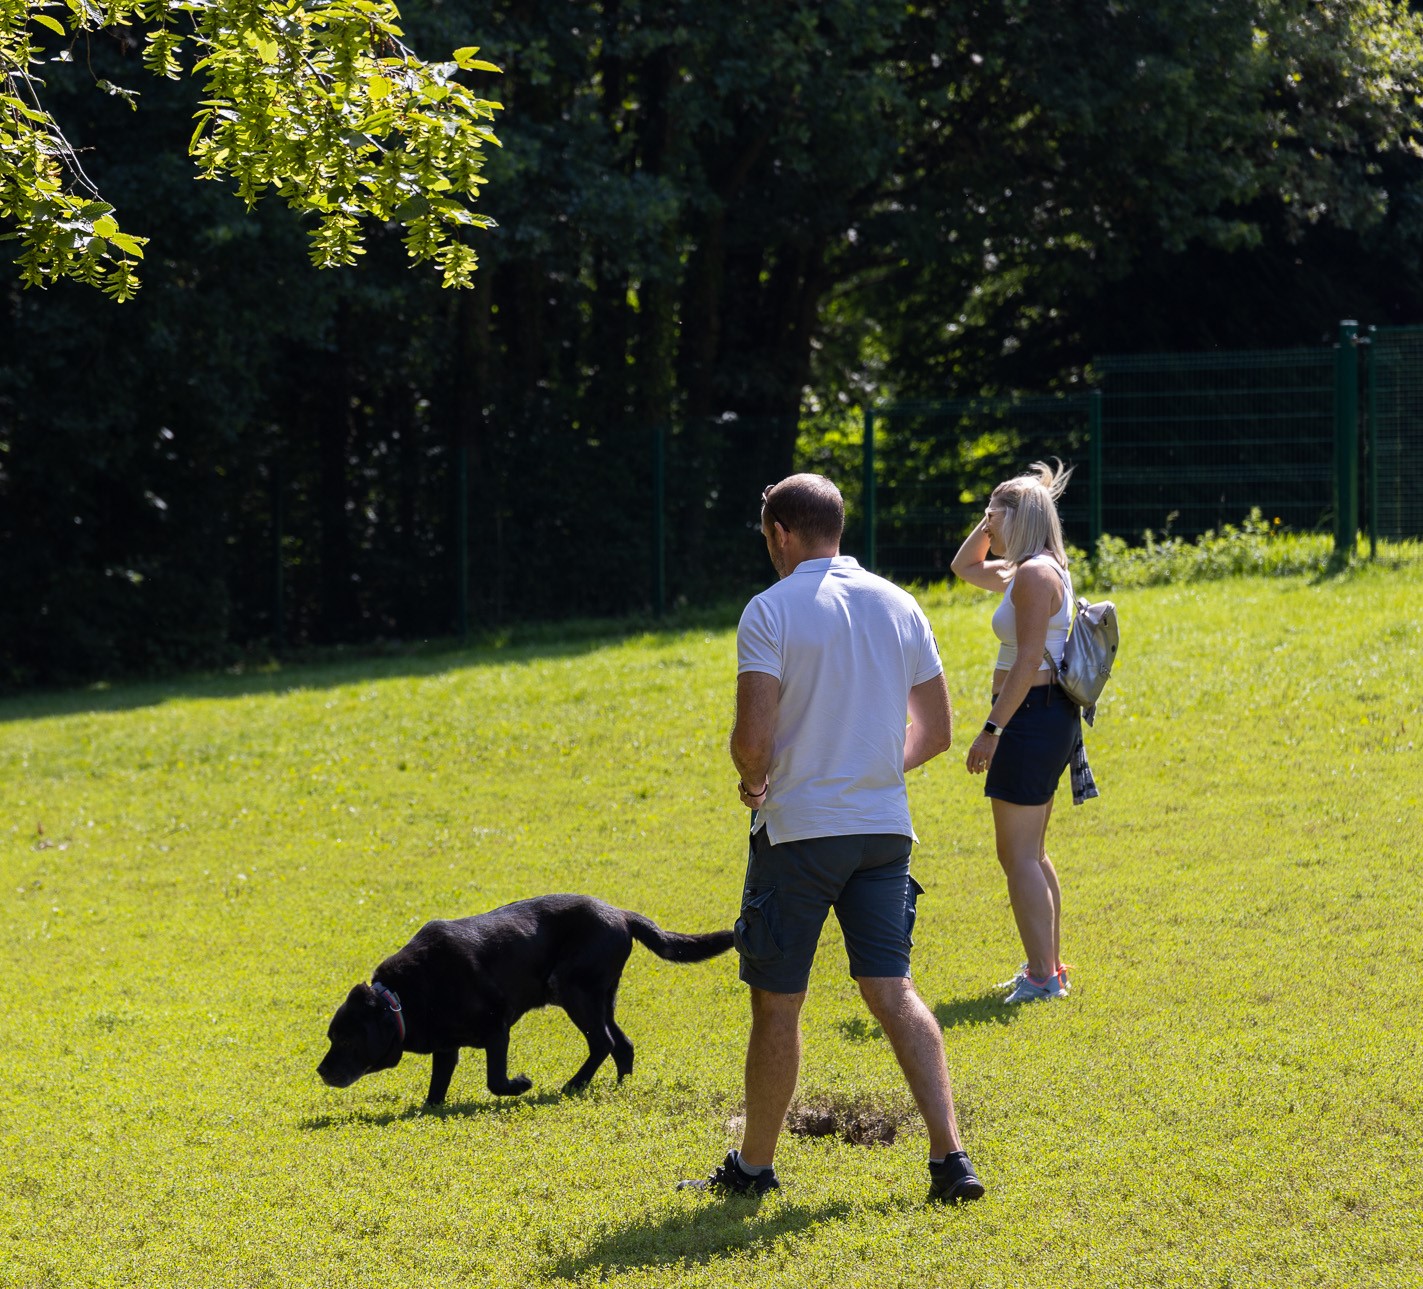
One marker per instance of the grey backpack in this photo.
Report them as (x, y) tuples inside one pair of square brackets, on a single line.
[(1088, 656)]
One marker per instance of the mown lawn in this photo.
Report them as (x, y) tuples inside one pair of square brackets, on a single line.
[(193, 875)]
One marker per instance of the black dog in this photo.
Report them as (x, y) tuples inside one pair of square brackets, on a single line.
[(464, 983)]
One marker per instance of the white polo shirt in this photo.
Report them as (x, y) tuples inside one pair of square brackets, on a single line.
[(847, 647)]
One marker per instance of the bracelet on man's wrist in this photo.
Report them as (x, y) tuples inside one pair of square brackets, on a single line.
[(741, 783)]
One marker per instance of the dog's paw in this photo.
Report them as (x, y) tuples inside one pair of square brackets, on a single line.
[(514, 1087)]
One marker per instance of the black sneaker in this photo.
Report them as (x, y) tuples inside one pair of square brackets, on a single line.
[(954, 1181), (732, 1179)]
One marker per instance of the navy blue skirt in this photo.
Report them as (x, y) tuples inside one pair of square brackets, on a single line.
[(1034, 748)]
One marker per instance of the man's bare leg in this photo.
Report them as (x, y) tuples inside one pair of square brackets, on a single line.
[(772, 1067), (918, 1045)]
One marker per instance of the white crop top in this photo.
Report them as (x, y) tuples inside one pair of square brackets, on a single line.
[(1005, 622)]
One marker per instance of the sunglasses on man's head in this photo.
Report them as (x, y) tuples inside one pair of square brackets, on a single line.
[(767, 511)]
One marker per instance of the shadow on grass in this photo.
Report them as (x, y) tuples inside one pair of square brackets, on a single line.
[(450, 1110), (860, 1029), (986, 1009), (330, 667), (700, 1234)]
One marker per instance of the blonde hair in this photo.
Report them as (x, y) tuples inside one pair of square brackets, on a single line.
[(1030, 524)]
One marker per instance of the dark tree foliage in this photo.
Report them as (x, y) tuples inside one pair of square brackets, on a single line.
[(1160, 174), (712, 217)]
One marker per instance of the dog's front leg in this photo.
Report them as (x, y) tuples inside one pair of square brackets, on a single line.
[(442, 1068), (496, 1055)]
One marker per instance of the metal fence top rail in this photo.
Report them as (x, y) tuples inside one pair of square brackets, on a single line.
[(1228, 420), (1009, 402), (1252, 359), (1138, 397)]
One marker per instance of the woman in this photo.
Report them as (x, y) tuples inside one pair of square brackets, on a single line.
[(1033, 727)]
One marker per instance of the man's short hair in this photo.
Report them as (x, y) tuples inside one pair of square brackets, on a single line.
[(808, 505)]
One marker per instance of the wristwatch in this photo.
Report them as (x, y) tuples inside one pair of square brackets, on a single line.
[(990, 728)]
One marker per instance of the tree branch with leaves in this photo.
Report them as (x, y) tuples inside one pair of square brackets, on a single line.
[(319, 102)]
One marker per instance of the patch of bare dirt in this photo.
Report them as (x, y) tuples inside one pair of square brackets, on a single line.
[(858, 1123)]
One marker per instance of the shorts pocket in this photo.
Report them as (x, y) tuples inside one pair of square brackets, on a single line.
[(758, 931), (911, 910)]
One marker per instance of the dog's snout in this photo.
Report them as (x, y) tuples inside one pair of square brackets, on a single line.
[(338, 1074), (326, 1071)]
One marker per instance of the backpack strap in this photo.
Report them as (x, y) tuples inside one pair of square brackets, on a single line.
[(1070, 602)]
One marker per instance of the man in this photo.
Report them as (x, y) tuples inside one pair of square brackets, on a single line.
[(830, 661)]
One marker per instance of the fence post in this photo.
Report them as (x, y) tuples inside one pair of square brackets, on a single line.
[(1371, 394), (868, 501), (462, 537), (1346, 441), (659, 520), (1094, 471), (279, 571)]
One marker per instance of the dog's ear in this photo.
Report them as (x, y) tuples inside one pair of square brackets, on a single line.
[(384, 1028)]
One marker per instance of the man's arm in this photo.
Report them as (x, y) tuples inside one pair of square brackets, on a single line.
[(931, 723), (758, 698)]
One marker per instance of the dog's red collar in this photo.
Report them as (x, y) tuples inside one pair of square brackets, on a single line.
[(392, 1001)]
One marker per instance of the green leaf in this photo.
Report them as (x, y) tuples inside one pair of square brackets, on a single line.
[(10, 101), (378, 122), (53, 24), (131, 245), (106, 226), (466, 59), (267, 50), (118, 91)]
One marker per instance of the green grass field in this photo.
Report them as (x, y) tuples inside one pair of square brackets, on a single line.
[(195, 873)]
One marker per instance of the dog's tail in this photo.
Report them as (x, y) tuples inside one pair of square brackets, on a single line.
[(673, 945)]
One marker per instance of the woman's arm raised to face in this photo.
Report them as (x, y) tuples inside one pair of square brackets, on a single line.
[(974, 564)]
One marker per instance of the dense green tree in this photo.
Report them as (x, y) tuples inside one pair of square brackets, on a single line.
[(713, 217), (1222, 157), (322, 103)]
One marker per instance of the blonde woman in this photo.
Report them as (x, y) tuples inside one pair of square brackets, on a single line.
[(1032, 727)]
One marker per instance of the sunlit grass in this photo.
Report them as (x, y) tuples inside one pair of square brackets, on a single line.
[(193, 874)]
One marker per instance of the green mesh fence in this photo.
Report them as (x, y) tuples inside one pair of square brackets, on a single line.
[(1193, 441), (708, 477), (1171, 443), (934, 465), (1394, 490), (1167, 443)]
